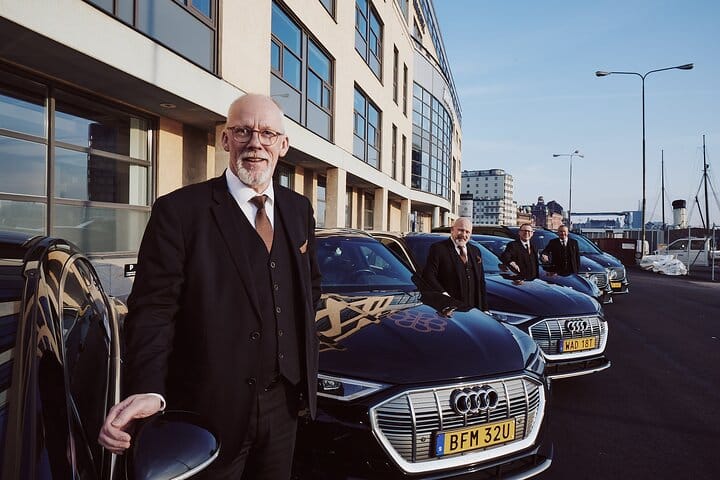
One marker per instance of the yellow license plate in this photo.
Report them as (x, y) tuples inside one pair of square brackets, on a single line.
[(577, 344), (615, 284), (462, 440)]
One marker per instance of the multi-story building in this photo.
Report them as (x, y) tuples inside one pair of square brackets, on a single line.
[(107, 104), (492, 192)]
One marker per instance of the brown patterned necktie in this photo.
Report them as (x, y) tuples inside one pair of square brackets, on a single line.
[(463, 255), (262, 222)]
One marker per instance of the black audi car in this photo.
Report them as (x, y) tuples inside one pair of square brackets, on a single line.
[(407, 392), (569, 326), (578, 283), (617, 273), (60, 351)]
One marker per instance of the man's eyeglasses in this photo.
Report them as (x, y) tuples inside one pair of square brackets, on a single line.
[(244, 134), (526, 231)]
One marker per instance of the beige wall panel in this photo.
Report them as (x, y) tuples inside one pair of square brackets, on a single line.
[(170, 154), (245, 44)]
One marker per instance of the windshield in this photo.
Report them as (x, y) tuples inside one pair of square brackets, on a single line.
[(586, 246), (420, 247), (353, 264)]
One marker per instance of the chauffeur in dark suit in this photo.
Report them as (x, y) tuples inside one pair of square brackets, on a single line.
[(455, 268), (221, 316), (521, 256), (562, 252)]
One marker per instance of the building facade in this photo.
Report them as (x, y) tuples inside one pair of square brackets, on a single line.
[(107, 104), (492, 192)]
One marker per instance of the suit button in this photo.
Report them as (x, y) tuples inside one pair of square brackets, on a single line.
[(254, 335), (277, 310), (250, 381), (276, 287), (280, 333), (272, 264), (281, 356)]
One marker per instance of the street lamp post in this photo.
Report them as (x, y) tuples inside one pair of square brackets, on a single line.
[(599, 73), (576, 153)]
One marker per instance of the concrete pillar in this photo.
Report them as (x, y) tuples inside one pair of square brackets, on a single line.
[(335, 197), (436, 217), (361, 210), (298, 182), (380, 210), (310, 187), (405, 206)]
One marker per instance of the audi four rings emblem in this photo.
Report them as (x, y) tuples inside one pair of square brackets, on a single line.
[(577, 325), (467, 401)]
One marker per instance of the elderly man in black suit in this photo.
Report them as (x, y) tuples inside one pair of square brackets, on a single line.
[(563, 253), (455, 268), (521, 256), (221, 316)]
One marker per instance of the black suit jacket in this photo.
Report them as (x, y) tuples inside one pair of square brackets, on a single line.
[(444, 272), (554, 250), (193, 311), (528, 262)]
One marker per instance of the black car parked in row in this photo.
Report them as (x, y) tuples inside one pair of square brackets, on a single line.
[(60, 373), (406, 392), (568, 326)]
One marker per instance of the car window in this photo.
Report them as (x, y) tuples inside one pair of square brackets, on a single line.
[(585, 245), (87, 352), (697, 244), (358, 263)]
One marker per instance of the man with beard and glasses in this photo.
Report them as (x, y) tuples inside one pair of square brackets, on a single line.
[(221, 316), (455, 268)]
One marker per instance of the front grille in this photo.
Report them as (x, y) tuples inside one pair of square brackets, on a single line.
[(550, 333), (406, 424), (600, 279)]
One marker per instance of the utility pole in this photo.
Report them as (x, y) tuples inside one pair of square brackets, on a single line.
[(705, 179), (662, 185)]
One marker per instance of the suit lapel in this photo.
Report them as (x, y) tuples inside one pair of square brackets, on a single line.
[(228, 217), (455, 260)]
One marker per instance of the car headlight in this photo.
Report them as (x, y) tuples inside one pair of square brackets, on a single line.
[(345, 389), (512, 318), (612, 273)]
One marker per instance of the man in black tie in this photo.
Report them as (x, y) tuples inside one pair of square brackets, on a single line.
[(520, 256), (221, 316), (454, 267), (563, 253)]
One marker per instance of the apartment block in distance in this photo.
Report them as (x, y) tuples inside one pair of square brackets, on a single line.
[(492, 192), (107, 104)]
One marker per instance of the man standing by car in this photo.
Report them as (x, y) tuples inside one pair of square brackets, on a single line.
[(521, 256), (222, 313), (455, 268), (562, 252)]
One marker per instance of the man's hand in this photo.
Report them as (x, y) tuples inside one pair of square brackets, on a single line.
[(544, 258), (113, 434), (515, 266)]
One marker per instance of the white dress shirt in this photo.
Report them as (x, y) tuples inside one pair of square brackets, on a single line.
[(243, 194)]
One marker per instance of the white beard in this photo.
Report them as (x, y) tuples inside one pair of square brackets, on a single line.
[(253, 178)]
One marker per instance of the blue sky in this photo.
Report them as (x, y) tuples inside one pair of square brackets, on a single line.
[(525, 75)]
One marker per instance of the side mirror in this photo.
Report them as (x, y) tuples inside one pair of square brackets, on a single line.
[(171, 445)]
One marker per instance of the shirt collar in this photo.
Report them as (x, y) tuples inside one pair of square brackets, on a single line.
[(242, 193)]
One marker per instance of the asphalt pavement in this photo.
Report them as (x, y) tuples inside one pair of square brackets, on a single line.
[(656, 412)]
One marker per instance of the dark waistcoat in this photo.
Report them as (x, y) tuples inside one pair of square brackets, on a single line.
[(277, 285)]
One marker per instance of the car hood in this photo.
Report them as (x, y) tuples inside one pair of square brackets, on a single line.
[(397, 339), (587, 264), (536, 298), (603, 259), (572, 281)]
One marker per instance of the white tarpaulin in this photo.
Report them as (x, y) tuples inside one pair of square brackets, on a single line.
[(666, 264)]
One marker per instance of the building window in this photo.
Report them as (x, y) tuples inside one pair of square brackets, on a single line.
[(369, 213), (404, 159), (393, 168), (431, 144), (187, 27), (285, 175), (395, 74), (302, 75), (321, 201), (368, 35), (348, 207), (329, 6), (403, 4), (405, 89), (99, 159), (366, 130)]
